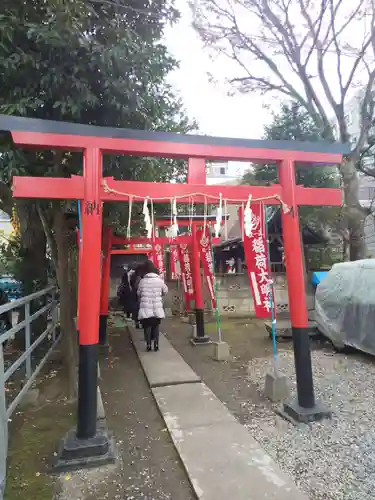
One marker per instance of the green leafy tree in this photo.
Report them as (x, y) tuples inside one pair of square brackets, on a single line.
[(292, 122), (88, 61)]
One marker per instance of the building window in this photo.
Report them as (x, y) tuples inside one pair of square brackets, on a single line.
[(217, 169)]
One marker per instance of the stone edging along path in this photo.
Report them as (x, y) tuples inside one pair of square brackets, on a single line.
[(223, 461)]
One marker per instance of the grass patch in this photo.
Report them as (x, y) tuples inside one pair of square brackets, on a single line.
[(34, 439)]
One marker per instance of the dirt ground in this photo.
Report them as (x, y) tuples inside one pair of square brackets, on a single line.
[(34, 436)]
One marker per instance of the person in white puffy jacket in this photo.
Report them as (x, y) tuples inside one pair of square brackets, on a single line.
[(151, 290)]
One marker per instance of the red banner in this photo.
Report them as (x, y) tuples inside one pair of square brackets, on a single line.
[(205, 251), (187, 278), (175, 263), (257, 261), (158, 258)]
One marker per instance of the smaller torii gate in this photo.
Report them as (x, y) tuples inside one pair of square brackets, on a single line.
[(110, 239), (90, 439)]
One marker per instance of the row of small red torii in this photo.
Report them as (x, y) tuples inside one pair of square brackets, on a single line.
[(92, 189), (181, 251)]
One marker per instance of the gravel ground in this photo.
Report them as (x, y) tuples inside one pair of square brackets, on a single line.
[(330, 460), (333, 459)]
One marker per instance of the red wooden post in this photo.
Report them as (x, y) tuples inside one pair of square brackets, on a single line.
[(198, 295), (304, 408), (196, 171), (79, 236), (104, 291), (90, 295)]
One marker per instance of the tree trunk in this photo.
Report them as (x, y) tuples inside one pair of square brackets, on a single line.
[(33, 247), (65, 273), (355, 215), (32, 270)]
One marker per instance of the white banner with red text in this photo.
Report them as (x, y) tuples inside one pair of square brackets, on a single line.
[(205, 251), (175, 263), (257, 259), (186, 274), (158, 258)]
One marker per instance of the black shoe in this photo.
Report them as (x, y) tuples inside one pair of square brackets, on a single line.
[(148, 347), (156, 347)]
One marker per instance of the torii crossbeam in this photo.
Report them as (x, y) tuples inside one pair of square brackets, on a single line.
[(92, 189)]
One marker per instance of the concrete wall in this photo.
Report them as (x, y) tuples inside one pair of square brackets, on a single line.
[(234, 295), (233, 292)]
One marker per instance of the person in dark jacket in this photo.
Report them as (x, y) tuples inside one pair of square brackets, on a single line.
[(124, 294), (134, 283)]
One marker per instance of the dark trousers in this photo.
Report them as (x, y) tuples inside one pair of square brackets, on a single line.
[(151, 329)]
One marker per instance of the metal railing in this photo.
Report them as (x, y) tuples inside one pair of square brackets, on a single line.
[(50, 337)]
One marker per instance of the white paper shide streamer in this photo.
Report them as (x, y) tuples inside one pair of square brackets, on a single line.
[(219, 217), (147, 218), (247, 218), (174, 223)]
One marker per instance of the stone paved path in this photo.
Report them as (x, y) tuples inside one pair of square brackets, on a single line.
[(149, 467)]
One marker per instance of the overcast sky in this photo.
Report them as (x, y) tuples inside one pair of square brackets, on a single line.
[(242, 115), (217, 113)]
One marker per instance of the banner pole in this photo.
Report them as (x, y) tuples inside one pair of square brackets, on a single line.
[(217, 313), (272, 299)]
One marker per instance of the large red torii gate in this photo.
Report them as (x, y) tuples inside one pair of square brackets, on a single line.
[(93, 190)]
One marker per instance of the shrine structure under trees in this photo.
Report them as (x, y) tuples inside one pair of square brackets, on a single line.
[(89, 439)]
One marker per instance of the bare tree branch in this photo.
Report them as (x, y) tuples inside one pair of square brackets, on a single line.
[(49, 235), (313, 51), (320, 56), (282, 35)]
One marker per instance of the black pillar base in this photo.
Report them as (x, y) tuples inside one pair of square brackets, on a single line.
[(304, 408), (200, 337), (87, 391), (85, 453), (201, 340), (305, 415), (103, 338), (302, 361)]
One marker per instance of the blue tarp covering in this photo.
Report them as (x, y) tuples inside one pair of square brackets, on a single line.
[(317, 277)]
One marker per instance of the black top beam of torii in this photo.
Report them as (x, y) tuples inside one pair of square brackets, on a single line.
[(10, 123)]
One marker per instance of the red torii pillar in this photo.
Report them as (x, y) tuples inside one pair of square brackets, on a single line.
[(304, 407), (90, 265), (105, 284), (200, 337), (197, 175)]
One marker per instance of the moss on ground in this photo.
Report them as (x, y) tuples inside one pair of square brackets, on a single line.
[(34, 438), (226, 326)]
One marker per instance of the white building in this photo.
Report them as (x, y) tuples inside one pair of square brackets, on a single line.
[(225, 172), (6, 227)]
